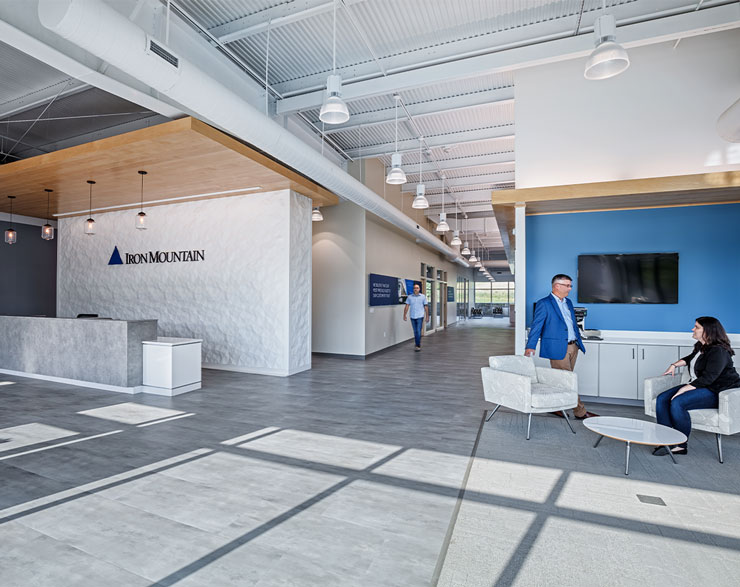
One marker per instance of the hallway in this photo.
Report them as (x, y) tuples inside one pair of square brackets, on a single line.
[(347, 474)]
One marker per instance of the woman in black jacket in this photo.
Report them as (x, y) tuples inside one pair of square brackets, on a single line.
[(711, 370)]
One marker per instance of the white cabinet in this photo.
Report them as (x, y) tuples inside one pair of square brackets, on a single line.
[(587, 369), (624, 367), (618, 370), (652, 360), (736, 358), (172, 365)]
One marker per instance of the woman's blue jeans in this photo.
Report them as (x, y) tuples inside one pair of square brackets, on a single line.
[(417, 324), (675, 413)]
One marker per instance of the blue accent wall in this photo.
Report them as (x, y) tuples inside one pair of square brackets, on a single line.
[(707, 239)]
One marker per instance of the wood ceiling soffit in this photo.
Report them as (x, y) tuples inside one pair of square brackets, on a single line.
[(183, 157), (682, 190)]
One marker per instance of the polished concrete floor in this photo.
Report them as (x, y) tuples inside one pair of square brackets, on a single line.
[(356, 473), (348, 474)]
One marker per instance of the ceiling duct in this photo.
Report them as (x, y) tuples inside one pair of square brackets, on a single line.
[(110, 36)]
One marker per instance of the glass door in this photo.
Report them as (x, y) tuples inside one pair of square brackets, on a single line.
[(430, 298), (440, 301)]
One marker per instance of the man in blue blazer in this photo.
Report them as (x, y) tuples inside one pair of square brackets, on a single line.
[(554, 323)]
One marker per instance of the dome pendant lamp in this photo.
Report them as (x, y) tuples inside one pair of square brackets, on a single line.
[(141, 219), (90, 223), (47, 230), (11, 236), (396, 176), (334, 110), (609, 58), (420, 201), (316, 215), (443, 226), (466, 249)]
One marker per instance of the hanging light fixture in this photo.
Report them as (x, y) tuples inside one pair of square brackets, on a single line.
[(456, 238), (334, 110), (473, 258), (609, 57), (420, 201), (316, 215), (90, 223), (141, 220), (466, 249), (443, 226), (47, 230), (396, 176), (11, 236)]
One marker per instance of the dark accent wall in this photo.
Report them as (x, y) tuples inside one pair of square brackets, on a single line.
[(28, 273)]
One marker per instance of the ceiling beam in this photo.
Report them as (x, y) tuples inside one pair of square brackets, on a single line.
[(473, 180), (501, 158), (497, 96), (455, 138), (272, 18), (42, 96), (708, 20)]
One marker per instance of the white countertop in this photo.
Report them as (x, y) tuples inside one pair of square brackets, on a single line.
[(171, 341), (688, 341)]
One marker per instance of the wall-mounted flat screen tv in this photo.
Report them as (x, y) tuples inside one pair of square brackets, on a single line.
[(648, 278)]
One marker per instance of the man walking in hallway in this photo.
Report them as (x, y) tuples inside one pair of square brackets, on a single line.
[(554, 323), (419, 306)]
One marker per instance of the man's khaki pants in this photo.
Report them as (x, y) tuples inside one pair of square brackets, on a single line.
[(568, 363)]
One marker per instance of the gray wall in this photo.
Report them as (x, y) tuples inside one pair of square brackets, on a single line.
[(29, 273)]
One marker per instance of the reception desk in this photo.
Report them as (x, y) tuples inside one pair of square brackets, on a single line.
[(99, 353)]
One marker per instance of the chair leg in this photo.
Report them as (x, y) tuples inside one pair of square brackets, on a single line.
[(529, 424), (493, 411), (719, 447), (567, 420)]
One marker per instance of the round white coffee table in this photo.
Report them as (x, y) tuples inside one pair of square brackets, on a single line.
[(634, 431)]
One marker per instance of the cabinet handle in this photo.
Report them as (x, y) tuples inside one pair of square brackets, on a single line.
[(643, 354), (633, 353)]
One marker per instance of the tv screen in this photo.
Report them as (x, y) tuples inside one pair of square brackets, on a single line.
[(650, 278)]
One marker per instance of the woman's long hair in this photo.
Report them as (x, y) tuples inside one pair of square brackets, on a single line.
[(714, 333)]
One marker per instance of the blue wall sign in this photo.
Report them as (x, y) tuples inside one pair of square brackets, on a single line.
[(450, 293), (382, 290)]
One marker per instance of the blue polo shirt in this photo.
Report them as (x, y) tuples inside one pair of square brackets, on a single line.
[(416, 305)]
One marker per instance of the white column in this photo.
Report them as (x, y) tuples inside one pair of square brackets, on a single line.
[(520, 277)]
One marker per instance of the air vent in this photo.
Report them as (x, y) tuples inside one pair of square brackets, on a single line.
[(160, 51)]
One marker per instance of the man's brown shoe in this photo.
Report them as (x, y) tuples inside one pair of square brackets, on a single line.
[(586, 415), (559, 414)]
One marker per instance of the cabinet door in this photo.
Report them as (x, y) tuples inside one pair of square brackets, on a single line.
[(652, 360), (587, 369), (618, 370)]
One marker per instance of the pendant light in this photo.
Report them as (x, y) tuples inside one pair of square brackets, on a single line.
[(443, 226), (455, 238), (396, 176), (316, 215), (465, 249), (47, 230), (473, 258), (11, 236), (141, 219), (334, 110), (90, 223), (420, 201), (609, 57)]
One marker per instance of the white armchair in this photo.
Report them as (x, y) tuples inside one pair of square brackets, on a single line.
[(724, 420), (514, 381)]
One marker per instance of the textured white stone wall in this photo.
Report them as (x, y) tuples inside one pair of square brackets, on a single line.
[(249, 300)]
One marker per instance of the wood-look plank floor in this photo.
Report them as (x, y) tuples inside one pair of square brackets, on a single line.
[(348, 474)]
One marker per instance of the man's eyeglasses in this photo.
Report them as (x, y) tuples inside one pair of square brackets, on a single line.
[(568, 285)]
